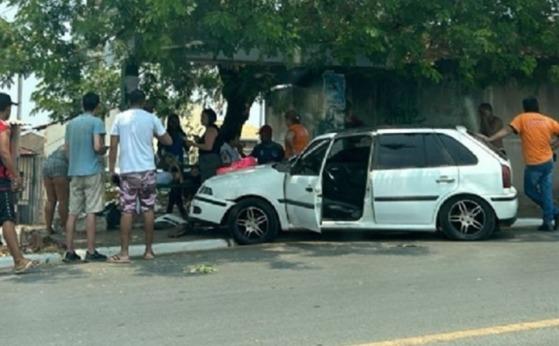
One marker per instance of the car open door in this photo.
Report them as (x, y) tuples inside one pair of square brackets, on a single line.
[(303, 190)]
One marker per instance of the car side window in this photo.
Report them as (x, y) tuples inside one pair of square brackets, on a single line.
[(310, 161), (435, 153), (397, 151), (461, 155)]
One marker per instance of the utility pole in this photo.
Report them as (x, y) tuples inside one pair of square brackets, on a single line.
[(19, 95)]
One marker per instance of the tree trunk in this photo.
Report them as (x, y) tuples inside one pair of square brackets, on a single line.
[(239, 90)]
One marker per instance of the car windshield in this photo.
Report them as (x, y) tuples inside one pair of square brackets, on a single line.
[(490, 145)]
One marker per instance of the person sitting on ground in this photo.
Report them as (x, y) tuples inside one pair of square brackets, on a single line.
[(229, 152), (57, 187), (267, 151)]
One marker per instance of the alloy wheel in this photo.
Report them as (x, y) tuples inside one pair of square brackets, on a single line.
[(467, 217), (253, 222)]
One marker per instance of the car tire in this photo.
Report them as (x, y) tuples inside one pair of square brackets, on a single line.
[(253, 221), (467, 218)]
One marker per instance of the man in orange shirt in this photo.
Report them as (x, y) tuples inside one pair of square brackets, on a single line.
[(297, 136), (536, 132)]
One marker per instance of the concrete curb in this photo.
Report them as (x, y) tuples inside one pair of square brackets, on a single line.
[(135, 251)]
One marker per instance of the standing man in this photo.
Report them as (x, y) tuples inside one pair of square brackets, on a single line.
[(10, 181), (267, 151), (85, 141), (489, 124), (134, 130), (536, 132), (297, 136)]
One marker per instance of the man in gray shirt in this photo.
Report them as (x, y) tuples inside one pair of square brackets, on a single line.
[(84, 142)]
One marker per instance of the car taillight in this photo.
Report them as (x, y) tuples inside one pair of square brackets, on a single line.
[(507, 176)]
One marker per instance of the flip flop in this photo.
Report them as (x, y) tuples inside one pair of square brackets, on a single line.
[(24, 268), (149, 256), (116, 259)]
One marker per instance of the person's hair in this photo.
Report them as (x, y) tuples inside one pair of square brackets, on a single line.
[(486, 107), (136, 97), (174, 124), (210, 113), (530, 104), (149, 106), (90, 101), (293, 116)]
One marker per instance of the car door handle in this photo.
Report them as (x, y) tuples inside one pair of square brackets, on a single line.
[(309, 189), (445, 179)]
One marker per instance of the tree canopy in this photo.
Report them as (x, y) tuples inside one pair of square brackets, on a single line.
[(74, 46)]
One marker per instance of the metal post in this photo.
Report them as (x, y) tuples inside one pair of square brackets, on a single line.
[(19, 95)]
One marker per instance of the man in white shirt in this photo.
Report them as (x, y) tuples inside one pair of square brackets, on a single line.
[(134, 130)]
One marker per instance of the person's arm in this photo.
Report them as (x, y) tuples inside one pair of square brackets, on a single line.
[(113, 152), (161, 133), (99, 137), (502, 133), (209, 140), (289, 138), (7, 158), (99, 144)]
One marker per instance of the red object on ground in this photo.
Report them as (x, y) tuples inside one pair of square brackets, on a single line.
[(246, 162)]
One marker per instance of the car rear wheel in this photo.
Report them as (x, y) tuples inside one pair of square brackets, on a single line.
[(253, 221), (467, 218)]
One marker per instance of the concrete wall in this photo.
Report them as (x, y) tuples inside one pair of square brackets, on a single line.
[(388, 101)]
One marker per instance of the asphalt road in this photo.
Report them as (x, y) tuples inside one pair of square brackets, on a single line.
[(338, 289)]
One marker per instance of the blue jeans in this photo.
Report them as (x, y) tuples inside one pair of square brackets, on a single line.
[(538, 186)]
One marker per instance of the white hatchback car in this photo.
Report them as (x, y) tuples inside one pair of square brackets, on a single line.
[(386, 179)]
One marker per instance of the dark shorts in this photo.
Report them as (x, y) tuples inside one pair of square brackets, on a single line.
[(137, 187), (7, 209)]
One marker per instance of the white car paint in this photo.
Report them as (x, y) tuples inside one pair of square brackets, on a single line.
[(265, 182)]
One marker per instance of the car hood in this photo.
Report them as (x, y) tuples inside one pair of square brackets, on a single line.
[(257, 180)]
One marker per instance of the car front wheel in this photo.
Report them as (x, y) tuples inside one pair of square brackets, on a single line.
[(467, 218), (253, 221)]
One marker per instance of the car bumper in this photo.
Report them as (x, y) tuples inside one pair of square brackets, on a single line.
[(208, 209), (506, 208)]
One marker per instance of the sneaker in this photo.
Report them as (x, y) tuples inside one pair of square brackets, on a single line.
[(95, 257), (546, 228), (71, 257)]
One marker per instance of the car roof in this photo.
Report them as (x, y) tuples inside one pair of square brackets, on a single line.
[(392, 129)]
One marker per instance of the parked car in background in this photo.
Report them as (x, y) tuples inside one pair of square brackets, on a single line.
[(420, 179)]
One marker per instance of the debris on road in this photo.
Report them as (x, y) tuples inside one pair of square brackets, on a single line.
[(201, 269)]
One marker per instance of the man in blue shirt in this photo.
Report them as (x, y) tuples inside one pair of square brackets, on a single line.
[(84, 142), (267, 151)]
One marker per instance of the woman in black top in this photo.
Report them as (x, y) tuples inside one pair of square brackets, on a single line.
[(208, 146)]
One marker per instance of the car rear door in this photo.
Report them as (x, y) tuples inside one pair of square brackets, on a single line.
[(303, 191), (412, 174)]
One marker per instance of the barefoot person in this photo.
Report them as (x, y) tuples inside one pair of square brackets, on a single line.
[(10, 181), (133, 131)]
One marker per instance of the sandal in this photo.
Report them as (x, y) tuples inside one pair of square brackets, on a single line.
[(26, 266), (117, 259), (148, 256)]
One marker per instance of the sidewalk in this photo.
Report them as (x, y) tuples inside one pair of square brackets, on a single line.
[(108, 243), (196, 240)]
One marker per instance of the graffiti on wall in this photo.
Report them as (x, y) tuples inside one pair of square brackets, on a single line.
[(334, 91)]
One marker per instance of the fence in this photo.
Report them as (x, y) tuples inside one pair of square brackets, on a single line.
[(30, 200)]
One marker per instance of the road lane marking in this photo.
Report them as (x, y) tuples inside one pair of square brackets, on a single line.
[(469, 333)]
